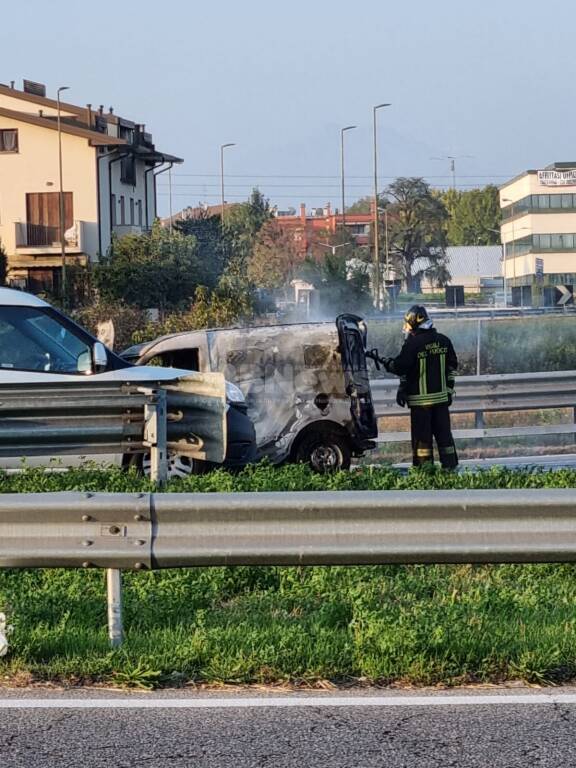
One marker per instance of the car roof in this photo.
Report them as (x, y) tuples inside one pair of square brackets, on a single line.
[(13, 298), (183, 336)]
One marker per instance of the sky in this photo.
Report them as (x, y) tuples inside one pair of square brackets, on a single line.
[(489, 83)]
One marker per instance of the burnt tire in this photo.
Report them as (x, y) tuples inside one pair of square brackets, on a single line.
[(324, 450)]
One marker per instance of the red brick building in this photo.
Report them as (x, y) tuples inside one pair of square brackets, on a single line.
[(312, 227)]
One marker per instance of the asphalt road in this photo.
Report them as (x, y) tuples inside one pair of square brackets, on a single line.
[(210, 730)]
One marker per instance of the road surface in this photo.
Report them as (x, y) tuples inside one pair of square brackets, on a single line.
[(504, 728)]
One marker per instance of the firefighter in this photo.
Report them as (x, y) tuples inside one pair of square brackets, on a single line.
[(426, 366)]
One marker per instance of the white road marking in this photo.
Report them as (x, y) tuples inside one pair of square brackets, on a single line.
[(445, 700)]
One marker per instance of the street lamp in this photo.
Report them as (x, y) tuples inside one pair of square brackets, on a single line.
[(61, 195), (376, 244), (342, 131), (222, 148), (333, 247)]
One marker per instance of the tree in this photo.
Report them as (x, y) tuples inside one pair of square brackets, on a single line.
[(207, 229), (241, 226), (160, 269), (274, 257), (363, 205), (416, 232), (474, 215), (342, 286)]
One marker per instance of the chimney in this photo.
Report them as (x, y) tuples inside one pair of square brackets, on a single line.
[(111, 110), (89, 111), (101, 109), (303, 213), (12, 83), (328, 209), (40, 113)]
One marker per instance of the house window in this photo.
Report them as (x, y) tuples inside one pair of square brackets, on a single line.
[(8, 140), (122, 210), (132, 211), (113, 205), (139, 213), (128, 170)]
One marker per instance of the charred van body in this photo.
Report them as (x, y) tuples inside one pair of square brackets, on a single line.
[(306, 385)]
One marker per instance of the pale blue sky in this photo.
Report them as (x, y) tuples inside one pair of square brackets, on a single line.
[(491, 79)]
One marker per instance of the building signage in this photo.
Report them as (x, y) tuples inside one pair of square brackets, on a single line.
[(557, 178), (539, 269)]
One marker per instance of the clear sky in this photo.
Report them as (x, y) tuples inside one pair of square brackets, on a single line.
[(490, 82)]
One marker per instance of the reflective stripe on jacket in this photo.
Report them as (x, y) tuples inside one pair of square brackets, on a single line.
[(427, 367)]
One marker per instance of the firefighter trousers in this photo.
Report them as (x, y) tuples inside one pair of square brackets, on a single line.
[(427, 423)]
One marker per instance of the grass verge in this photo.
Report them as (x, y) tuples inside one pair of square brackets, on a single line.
[(411, 624)]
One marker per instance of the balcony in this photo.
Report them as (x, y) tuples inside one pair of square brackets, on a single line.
[(36, 239), (120, 230)]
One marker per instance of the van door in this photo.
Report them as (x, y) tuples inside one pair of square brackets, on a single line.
[(352, 335)]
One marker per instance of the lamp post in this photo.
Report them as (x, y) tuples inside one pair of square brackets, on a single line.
[(222, 148), (376, 244), (342, 131), (333, 248), (61, 195)]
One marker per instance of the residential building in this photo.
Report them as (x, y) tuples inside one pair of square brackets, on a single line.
[(197, 213), (311, 228), (109, 169), (538, 232)]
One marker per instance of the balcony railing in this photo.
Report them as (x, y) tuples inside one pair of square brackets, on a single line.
[(40, 236)]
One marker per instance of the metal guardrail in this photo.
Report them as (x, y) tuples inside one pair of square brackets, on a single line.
[(186, 416), (149, 531), (490, 394)]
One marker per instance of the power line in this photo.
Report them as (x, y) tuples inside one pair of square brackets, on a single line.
[(348, 176)]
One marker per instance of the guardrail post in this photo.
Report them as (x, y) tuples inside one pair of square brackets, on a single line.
[(156, 435), (479, 424), (478, 336), (114, 593)]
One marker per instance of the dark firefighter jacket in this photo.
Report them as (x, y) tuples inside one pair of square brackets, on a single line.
[(427, 366)]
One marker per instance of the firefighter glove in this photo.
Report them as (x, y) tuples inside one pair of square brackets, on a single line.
[(401, 398)]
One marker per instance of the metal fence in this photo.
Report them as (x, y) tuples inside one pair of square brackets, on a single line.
[(149, 531), (490, 394)]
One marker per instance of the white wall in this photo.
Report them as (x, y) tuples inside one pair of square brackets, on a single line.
[(34, 168)]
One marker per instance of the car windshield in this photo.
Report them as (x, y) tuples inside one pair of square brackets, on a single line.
[(35, 339)]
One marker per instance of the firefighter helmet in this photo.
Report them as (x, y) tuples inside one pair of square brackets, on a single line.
[(417, 318)]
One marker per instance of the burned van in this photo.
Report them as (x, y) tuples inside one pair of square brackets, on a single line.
[(306, 385)]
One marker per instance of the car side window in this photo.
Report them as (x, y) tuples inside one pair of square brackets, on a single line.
[(32, 340)]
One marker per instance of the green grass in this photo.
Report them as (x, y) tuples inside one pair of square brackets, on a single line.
[(414, 624)]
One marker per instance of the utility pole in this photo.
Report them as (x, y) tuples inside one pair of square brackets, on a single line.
[(61, 197), (222, 148), (342, 131), (376, 243)]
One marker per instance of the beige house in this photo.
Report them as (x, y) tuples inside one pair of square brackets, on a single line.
[(109, 169), (538, 233)]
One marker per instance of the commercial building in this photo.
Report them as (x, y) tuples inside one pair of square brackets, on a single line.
[(109, 169), (538, 233)]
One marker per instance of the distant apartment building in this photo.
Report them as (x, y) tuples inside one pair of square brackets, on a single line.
[(109, 169), (538, 233), (310, 228)]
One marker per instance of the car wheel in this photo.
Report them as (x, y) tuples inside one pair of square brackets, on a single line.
[(178, 466), (325, 451)]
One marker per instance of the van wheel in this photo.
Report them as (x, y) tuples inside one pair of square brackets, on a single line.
[(178, 466), (324, 451)]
